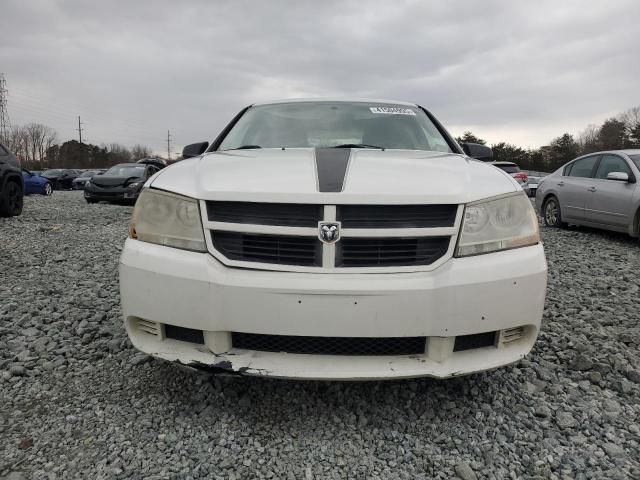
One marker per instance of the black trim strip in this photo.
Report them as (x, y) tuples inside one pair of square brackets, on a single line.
[(216, 143), (331, 166)]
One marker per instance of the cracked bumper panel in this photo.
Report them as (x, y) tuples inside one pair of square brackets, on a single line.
[(462, 297)]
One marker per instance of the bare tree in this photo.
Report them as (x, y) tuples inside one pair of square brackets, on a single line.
[(39, 139), (589, 139), (140, 151)]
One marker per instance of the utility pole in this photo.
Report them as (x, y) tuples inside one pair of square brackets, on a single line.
[(80, 133), (80, 129), (168, 145), (5, 124)]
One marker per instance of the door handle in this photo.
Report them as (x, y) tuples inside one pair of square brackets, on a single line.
[(592, 189), (560, 184)]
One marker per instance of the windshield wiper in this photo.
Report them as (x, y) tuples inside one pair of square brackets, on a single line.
[(244, 147), (357, 145)]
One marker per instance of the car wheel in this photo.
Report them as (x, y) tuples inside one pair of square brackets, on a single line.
[(552, 214), (11, 204), (91, 201), (48, 189)]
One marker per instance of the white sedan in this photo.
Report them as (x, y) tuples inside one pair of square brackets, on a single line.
[(326, 239)]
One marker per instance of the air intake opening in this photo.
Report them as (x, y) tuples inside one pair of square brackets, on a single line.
[(329, 345), (478, 340), (184, 334)]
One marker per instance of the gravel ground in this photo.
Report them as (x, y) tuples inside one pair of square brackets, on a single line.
[(77, 401)]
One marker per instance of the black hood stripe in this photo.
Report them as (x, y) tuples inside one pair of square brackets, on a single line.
[(331, 166)]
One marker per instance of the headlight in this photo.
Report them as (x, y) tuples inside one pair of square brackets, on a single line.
[(134, 185), (498, 224), (167, 219)]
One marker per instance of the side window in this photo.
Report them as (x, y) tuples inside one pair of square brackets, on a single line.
[(3, 152), (612, 163), (567, 170), (583, 167)]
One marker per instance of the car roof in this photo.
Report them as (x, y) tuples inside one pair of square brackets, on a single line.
[(627, 151), (506, 164), (335, 100)]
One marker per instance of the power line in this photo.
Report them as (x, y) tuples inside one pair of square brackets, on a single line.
[(5, 123)]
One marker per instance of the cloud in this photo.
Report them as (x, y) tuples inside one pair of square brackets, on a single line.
[(521, 72)]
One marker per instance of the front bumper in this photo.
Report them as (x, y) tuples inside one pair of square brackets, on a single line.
[(465, 296), (116, 194)]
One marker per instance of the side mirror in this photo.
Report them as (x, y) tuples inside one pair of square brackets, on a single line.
[(194, 149), (620, 177), (477, 151)]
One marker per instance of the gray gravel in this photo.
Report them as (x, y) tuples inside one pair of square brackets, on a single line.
[(77, 401)]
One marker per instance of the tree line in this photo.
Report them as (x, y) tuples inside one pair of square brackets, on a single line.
[(37, 147), (622, 131)]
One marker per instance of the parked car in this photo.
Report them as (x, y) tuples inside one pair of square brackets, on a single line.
[(531, 186), (121, 183), (597, 190), (79, 182), (334, 240), (513, 170), (11, 184), (35, 184), (60, 178)]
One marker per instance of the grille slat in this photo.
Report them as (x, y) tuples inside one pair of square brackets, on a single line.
[(397, 216), (329, 345), (281, 214), (376, 252), (276, 249)]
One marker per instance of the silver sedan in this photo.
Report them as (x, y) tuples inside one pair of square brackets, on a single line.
[(598, 190)]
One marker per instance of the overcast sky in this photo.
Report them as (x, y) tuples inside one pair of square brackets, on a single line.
[(515, 71)]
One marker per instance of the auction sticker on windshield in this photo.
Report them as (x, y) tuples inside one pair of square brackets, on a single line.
[(392, 110)]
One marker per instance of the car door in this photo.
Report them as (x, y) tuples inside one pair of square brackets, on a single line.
[(29, 183), (610, 201), (572, 187)]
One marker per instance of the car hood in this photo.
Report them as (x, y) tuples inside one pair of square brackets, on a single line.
[(373, 176), (110, 181)]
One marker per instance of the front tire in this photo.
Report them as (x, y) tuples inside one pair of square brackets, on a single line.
[(48, 189), (13, 200), (552, 214)]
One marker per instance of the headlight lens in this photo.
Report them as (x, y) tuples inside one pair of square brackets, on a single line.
[(134, 185), (167, 219), (498, 224)]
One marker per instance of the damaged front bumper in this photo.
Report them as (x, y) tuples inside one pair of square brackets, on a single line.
[(497, 296)]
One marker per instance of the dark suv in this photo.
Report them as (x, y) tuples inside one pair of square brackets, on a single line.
[(11, 184)]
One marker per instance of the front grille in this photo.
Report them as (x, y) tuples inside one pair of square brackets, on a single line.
[(393, 251), (397, 216), (283, 236), (263, 248), (329, 345), (283, 214)]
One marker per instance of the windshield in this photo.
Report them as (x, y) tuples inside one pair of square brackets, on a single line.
[(636, 160), (90, 173), (126, 171), (332, 124), (56, 172)]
